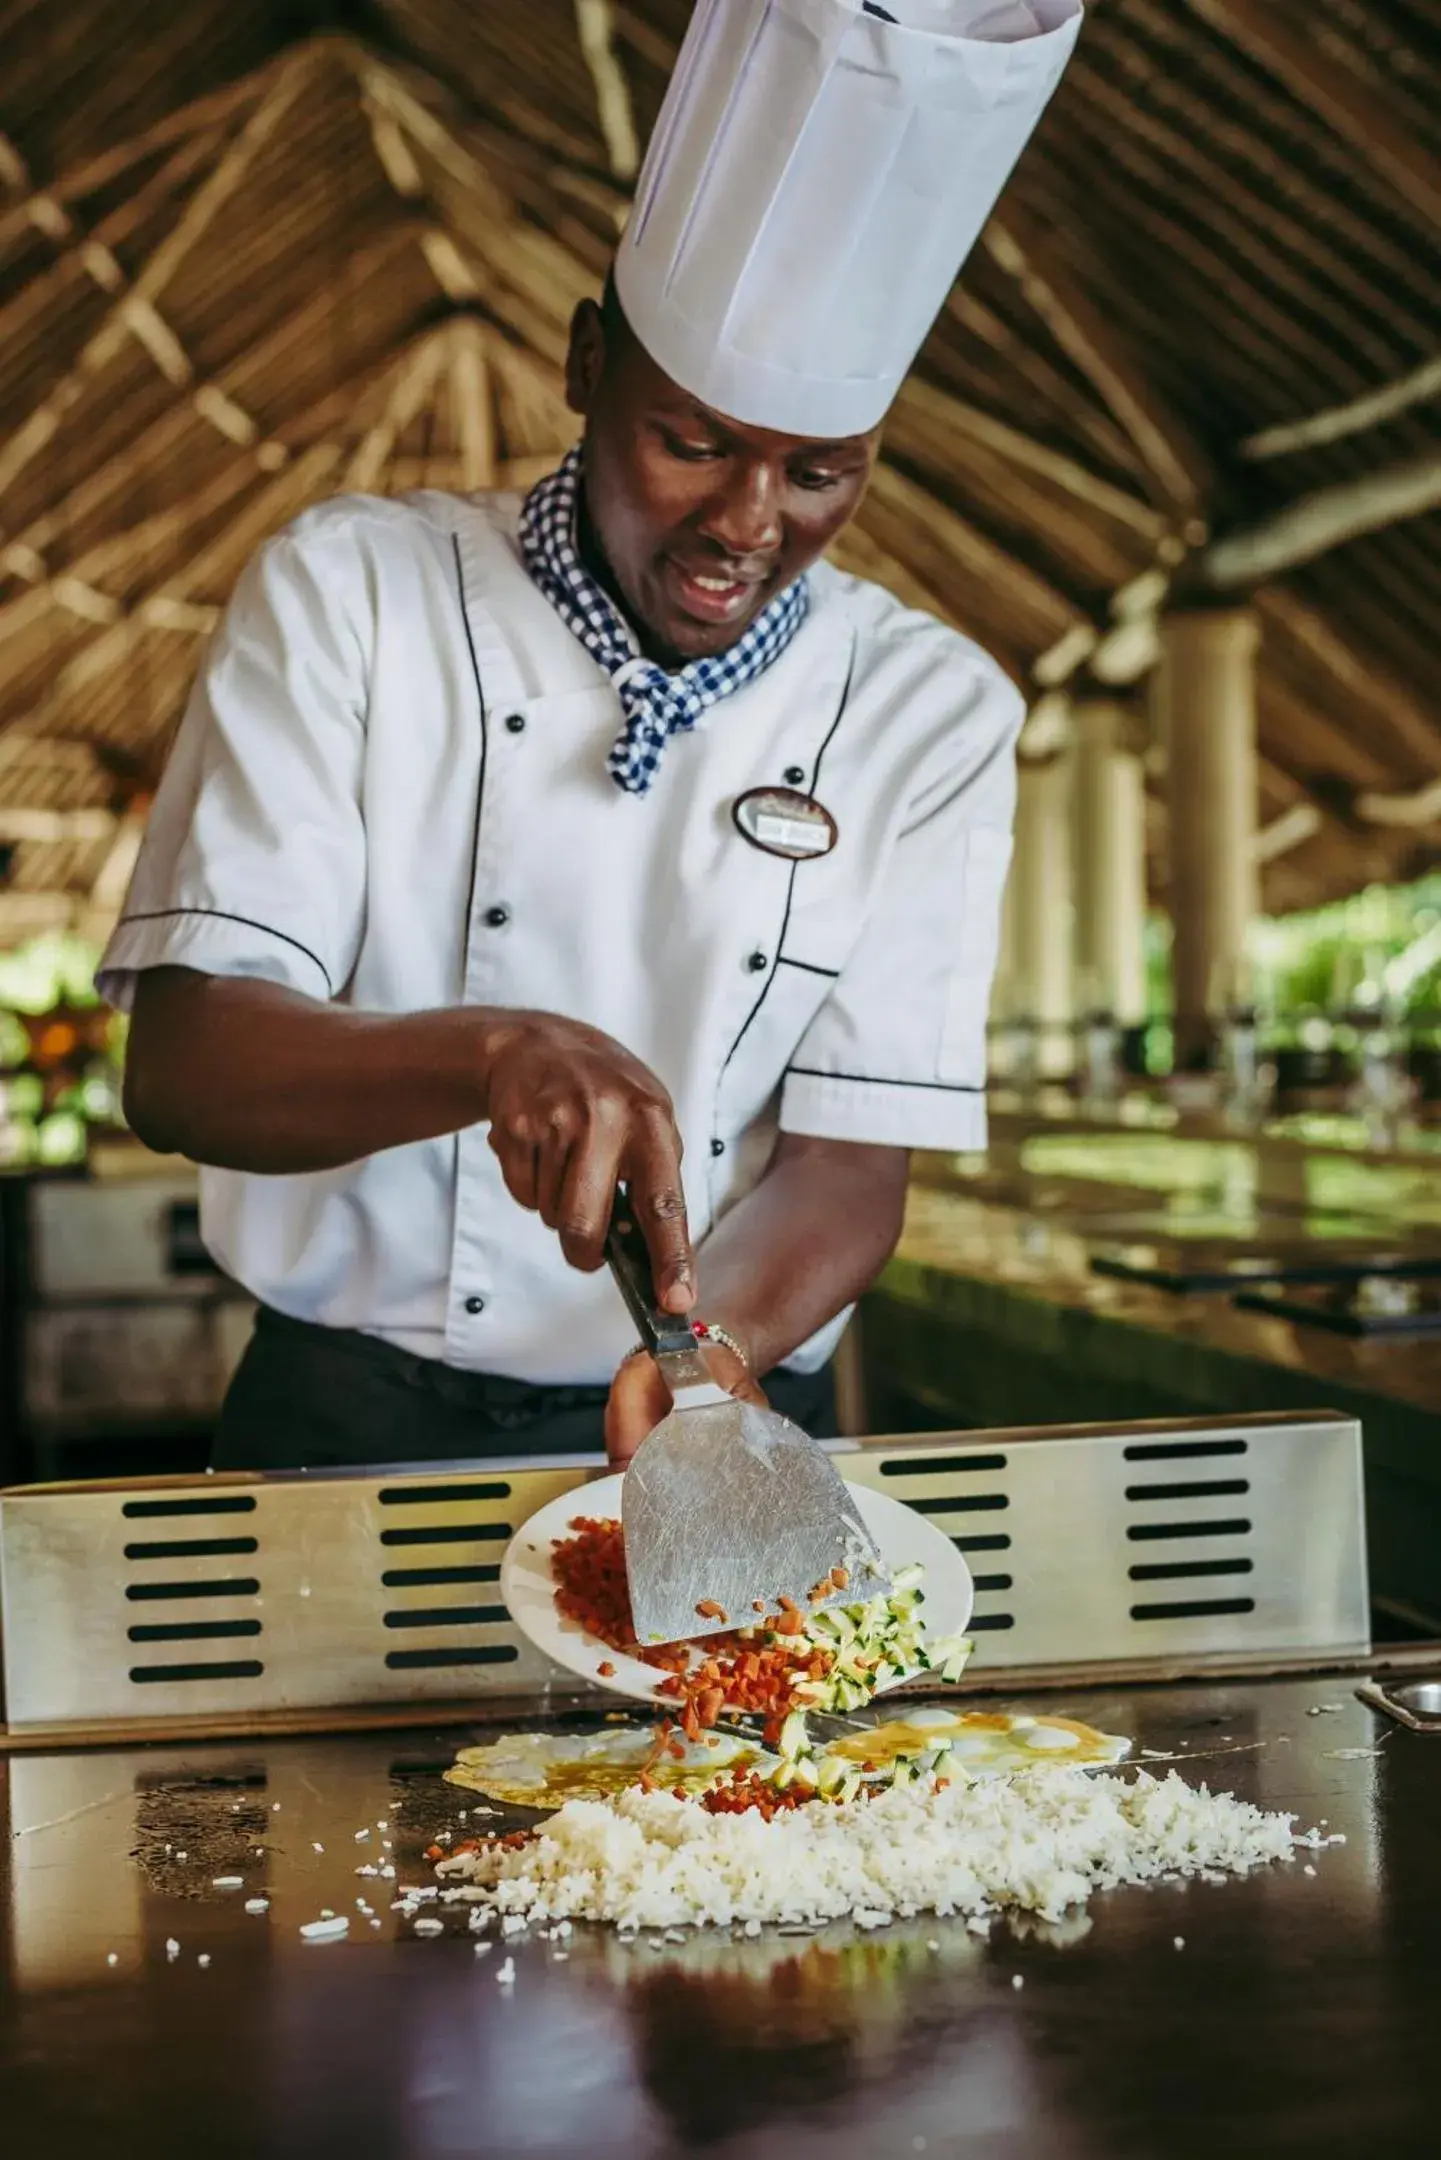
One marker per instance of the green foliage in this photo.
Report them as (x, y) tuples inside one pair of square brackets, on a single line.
[(1382, 946)]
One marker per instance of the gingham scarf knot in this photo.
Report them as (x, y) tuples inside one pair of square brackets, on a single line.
[(655, 703)]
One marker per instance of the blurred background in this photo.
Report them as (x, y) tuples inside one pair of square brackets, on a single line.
[(1172, 453)]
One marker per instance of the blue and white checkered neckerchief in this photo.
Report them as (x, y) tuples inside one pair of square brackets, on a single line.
[(656, 705)]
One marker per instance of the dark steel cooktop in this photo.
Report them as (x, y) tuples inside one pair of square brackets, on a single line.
[(1294, 2015)]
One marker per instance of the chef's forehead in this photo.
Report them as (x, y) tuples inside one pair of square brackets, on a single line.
[(660, 392)]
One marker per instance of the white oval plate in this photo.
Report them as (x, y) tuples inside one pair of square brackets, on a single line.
[(528, 1587)]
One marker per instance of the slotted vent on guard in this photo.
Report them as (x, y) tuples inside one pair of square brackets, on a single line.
[(454, 1563), (960, 1493), (311, 1595), (186, 1573), (1190, 1496)]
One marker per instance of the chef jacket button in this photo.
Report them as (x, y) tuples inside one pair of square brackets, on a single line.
[(717, 1147), (757, 963), (795, 774), (498, 916), (474, 1305), (515, 723)]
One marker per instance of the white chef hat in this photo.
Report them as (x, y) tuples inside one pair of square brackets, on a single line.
[(818, 174)]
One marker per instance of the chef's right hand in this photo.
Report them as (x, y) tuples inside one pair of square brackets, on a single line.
[(572, 1116)]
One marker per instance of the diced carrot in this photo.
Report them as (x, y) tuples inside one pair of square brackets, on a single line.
[(605, 1670), (760, 1677), (709, 1610)]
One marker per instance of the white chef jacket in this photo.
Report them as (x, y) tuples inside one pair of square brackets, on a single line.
[(389, 791)]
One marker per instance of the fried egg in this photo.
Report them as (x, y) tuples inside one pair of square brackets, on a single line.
[(985, 1743), (545, 1769)]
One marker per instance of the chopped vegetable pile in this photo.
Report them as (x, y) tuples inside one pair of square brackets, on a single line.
[(786, 1661)]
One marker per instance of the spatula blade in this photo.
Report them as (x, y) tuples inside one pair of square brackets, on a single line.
[(731, 1506)]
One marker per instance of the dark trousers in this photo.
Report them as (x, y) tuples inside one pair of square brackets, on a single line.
[(307, 1397)]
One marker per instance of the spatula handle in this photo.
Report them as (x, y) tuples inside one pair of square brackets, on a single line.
[(663, 1333)]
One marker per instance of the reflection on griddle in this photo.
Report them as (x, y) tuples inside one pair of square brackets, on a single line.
[(729, 2033)]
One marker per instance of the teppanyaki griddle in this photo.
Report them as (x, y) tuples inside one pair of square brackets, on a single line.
[(1290, 2012)]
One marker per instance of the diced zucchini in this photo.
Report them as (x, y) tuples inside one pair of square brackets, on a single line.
[(957, 1661), (794, 1737), (831, 1774)]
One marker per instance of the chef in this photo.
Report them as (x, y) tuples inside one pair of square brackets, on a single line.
[(514, 850)]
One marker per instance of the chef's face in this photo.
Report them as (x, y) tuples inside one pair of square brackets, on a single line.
[(698, 521)]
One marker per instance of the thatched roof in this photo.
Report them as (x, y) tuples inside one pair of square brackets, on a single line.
[(250, 254)]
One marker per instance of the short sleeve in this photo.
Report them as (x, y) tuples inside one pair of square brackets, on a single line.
[(896, 1055), (253, 862)]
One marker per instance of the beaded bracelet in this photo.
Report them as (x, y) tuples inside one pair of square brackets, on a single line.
[(704, 1332)]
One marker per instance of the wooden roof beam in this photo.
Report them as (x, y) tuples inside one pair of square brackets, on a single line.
[(412, 386), (413, 377), (1364, 684), (921, 401), (518, 251), (1296, 825), (75, 589), (53, 828), (644, 38), (473, 415), (289, 492), (1359, 112), (44, 207), (112, 879), (893, 495), (1374, 409), (1177, 466), (448, 469), (1028, 364), (134, 312), (31, 914), (596, 27), (22, 554), (92, 253), (1407, 812), (1316, 522)]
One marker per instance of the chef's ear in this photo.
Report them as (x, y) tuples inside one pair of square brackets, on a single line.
[(585, 361)]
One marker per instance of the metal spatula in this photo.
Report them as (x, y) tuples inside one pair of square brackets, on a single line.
[(725, 1506)]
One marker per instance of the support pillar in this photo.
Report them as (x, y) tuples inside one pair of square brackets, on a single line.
[(1038, 934), (1109, 791), (1206, 686)]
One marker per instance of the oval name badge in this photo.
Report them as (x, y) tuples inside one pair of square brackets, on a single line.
[(782, 821)]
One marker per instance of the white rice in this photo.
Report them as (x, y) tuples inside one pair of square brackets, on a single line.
[(1041, 1842)]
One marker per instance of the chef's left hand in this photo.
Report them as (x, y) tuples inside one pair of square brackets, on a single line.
[(639, 1398)]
